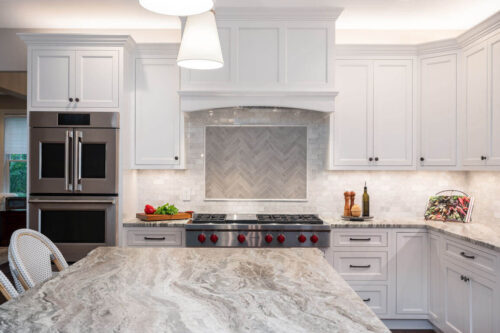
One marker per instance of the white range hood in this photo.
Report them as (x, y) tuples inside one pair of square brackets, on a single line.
[(273, 56)]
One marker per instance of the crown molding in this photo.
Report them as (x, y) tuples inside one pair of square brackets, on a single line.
[(480, 30), (59, 39), (375, 50), (440, 46), (326, 13), (157, 49)]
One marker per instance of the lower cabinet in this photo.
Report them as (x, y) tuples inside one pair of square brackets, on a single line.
[(469, 301), (411, 272), (435, 280), (154, 237), (374, 296)]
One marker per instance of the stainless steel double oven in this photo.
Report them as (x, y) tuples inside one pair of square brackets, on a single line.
[(73, 172)]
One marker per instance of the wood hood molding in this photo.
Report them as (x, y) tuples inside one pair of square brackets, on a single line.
[(307, 100)]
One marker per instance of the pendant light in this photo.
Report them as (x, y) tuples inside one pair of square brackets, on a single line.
[(200, 45), (177, 7)]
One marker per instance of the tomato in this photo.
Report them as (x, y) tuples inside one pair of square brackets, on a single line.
[(148, 209)]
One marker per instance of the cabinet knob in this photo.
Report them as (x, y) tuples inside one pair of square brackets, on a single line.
[(71, 99), (422, 159), (370, 159), (376, 159), (77, 99), (176, 158), (483, 158)]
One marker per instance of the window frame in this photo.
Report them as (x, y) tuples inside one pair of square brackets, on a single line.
[(7, 157)]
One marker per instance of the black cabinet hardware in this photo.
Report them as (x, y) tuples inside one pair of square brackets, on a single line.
[(71, 99), (464, 278), (483, 158), (366, 299), (422, 159), (370, 159), (467, 256), (360, 239), (77, 99), (176, 158), (154, 238), (360, 266), (376, 159)]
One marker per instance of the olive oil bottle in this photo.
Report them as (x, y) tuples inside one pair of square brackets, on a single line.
[(366, 202)]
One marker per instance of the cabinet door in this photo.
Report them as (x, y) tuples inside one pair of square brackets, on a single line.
[(456, 300), (393, 112), (482, 306), (53, 74), (157, 113), (438, 111), (97, 79), (494, 91), (476, 128), (411, 273), (435, 285), (353, 114)]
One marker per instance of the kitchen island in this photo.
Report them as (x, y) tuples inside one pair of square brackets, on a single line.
[(193, 290)]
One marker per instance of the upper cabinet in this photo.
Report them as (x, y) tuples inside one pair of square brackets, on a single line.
[(481, 104), (373, 121), (74, 79), (76, 72), (438, 111)]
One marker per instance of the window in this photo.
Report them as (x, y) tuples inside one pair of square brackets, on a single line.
[(16, 150)]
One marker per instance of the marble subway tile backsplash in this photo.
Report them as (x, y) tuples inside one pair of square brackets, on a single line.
[(392, 193)]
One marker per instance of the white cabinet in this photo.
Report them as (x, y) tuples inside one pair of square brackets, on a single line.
[(469, 301), (53, 78), (438, 111), (154, 237), (411, 272), (481, 142), (435, 281), (157, 114), (373, 122), (72, 79)]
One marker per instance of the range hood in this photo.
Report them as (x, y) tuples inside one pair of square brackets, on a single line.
[(273, 56)]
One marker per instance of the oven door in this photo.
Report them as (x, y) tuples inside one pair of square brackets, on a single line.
[(95, 161), (74, 224), (51, 152)]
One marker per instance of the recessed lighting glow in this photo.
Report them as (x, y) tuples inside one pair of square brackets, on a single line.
[(177, 7)]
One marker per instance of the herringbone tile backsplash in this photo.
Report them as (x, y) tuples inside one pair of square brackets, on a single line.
[(256, 162)]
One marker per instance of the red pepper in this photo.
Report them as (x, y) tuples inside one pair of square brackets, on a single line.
[(461, 200), (148, 209), (461, 211)]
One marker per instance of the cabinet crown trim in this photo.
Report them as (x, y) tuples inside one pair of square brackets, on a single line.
[(77, 39), (302, 13)]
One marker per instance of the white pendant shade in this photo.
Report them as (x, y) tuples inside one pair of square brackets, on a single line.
[(177, 7), (200, 45)]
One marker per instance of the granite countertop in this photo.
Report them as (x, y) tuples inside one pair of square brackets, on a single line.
[(136, 223), (193, 290), (476, 233)]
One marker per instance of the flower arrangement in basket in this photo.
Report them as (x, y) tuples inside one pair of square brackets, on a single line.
[(450, 205)]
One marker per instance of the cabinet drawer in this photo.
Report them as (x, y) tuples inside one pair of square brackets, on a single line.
[(373, 296), (360, 238), (469, 256), (164, 237), (361, 266)]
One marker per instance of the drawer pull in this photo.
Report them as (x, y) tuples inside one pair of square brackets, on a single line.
[(467, 256), (366, 299), (154, 238), (360, 266), (360, 239)]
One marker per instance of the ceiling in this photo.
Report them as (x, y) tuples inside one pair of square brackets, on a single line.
[(358, 14)]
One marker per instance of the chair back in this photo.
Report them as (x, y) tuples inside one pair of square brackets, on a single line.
[(6, 288), (32, 255)]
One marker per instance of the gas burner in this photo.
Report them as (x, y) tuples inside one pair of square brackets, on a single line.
[(209, 218), (287, 218)]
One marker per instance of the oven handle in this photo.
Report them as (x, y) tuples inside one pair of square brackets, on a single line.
[(78, 161), (97, 201), (67, 141)]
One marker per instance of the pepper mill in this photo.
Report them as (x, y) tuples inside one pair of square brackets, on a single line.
[(352, 195), (347, 206)]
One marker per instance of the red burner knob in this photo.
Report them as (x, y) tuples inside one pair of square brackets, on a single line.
[(201, 238), (314, 238), (302, 238), (268, 238), (281, 238), (241, 238), (214, 238)]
